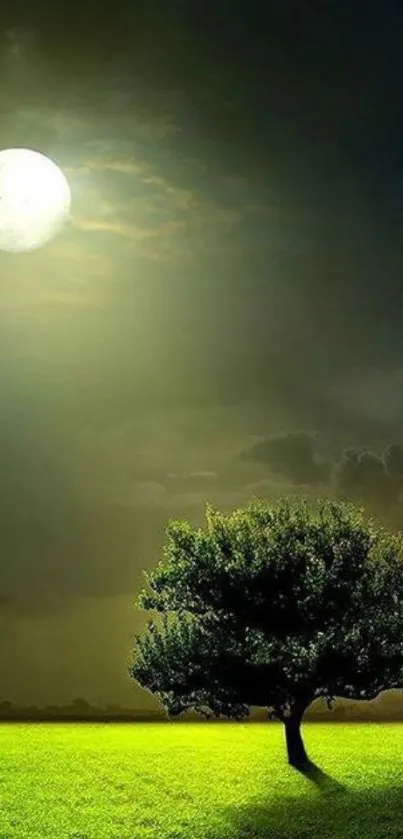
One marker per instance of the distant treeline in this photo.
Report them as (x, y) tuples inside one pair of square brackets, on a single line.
[(78, 710), (82, 711)]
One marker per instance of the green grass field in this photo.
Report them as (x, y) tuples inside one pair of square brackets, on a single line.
[(145, 781)]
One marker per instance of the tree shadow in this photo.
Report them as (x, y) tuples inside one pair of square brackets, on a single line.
[(325, 783), (372, 814)]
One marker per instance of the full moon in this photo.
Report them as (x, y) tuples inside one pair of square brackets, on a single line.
[(35, 200)]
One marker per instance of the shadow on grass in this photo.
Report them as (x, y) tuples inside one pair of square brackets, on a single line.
[(368, 814), (325, 783)]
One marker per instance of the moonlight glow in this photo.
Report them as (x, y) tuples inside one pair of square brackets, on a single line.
[(34, 200)]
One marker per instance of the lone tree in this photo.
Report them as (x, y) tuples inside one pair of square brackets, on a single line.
[(274, 606)]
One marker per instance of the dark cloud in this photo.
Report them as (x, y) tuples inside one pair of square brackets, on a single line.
[(393, 457), (372, 480), (358, 474), (292, 455), (362, 477)]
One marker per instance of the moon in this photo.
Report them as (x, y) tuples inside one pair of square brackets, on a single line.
[(35, 200)]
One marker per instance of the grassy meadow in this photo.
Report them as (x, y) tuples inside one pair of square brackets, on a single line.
[(171, 781)]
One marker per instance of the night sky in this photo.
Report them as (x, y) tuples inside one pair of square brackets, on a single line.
[(233, 269)]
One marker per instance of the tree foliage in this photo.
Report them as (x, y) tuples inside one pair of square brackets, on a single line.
[(273, 605)]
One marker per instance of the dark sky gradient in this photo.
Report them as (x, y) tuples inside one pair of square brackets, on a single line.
[(232, 269)]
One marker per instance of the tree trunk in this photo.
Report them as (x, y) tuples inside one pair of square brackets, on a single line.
[(296, 753)]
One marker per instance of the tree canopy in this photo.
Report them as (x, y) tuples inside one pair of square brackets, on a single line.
[(273, 605)]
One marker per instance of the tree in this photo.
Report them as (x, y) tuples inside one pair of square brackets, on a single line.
[(273, 606), (81, 706)]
